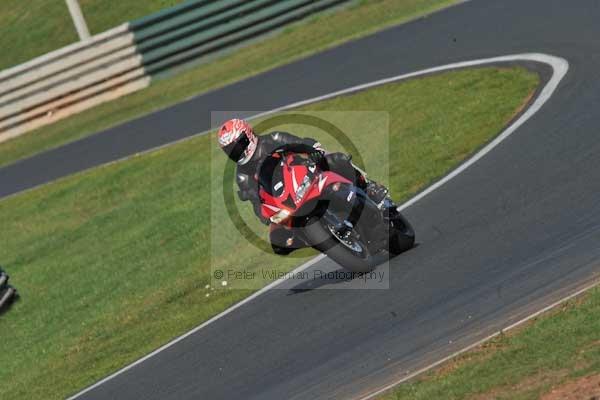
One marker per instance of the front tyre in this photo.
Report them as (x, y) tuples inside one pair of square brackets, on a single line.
[(345, 249)]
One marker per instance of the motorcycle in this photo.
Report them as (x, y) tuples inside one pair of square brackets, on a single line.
[(321, 209)]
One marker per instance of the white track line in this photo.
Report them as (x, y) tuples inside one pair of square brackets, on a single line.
[(559, 66), (480, 342)]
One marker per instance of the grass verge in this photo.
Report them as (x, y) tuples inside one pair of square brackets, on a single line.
[(535, 361), (111, 263), (300, 40), (31, 28), (102, 15)]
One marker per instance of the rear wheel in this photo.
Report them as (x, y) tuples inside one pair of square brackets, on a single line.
[(402, 234)]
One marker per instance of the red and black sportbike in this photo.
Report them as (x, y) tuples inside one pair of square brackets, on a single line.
[(321, 209)]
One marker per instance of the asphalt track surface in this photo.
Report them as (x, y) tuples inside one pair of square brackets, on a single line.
[(517, 230)]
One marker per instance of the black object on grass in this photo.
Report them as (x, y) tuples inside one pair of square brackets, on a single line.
[(7, 293)]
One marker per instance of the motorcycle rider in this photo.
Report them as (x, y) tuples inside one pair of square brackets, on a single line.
[(238, 140)]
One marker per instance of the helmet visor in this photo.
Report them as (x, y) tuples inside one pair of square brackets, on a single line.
[(235, 150)]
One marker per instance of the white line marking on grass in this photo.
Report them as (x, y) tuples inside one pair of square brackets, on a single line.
[(560, 67), (196, 329), (480, 342)]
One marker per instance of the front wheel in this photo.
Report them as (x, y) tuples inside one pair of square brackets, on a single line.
[(343, 245)]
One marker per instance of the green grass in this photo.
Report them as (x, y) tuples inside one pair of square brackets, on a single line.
[(556, 348), (31, 28), (113, 262), (34, 27), (300, 40), (102, 15)]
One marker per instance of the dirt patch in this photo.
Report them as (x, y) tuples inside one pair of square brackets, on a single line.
[(586, 388)]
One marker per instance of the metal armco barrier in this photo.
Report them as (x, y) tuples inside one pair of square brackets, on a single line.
[(124, 59)]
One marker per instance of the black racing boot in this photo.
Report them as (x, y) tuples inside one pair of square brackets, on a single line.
[(376, 192)]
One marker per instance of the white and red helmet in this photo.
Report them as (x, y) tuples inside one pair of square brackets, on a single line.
[(238, 141)]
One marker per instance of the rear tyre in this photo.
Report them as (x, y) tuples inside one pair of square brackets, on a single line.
[(402, 234), (353, 257)]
